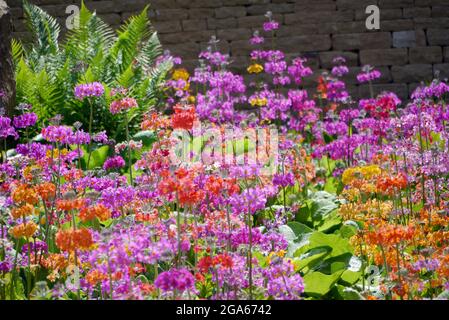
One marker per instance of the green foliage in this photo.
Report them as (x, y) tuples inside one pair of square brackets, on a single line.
[(48, 70), (320, 249)]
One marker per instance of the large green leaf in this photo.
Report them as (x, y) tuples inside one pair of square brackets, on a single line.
[(98, 157), (331, 222), (338, 244), (299, 228), (317, 284), (310, 258), (346, 293)]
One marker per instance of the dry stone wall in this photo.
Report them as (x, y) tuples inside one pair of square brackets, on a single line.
[(411, 45)]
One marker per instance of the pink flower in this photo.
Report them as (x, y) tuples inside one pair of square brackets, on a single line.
[(118, 106)]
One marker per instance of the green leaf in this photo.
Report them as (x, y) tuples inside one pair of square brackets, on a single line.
[(444, 295), (44, 28), (347, 231), (339, 245), (147, 137), (331, 222), (350, 277), (310, 258), (299, 229), (288, 233), (304, 214), (317, 284), (349, 293), (322, 207), (98, 157)]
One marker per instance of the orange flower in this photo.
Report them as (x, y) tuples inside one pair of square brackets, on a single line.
[(154, 121), (25, 230), (214, 185), (69, 205), (390, 235), (54, 261), (95, 276), (147, 217), (71, 240), (46, 190), (73, 175), (23, 211), (25, 194), (391, 184), (99, 211), (322, 88)]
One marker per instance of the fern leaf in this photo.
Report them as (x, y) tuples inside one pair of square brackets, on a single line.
[(44, 28)]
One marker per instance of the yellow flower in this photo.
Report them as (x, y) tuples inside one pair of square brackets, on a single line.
[(255, 68), (54, 153), (367, 172), (181, 73), (260, 102), (191, 99), (370, 171), (348, 176)]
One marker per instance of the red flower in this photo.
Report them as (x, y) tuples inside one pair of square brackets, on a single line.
[(183, 118)]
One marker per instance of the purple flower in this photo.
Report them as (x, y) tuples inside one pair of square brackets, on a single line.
[(435, 89), (340, 71), (101, 137), (35, 247), (282, 282), (284, 180), (175, 279), (34, 150), (6, 130), (256, 39), (298, 71), (25, 120), (114, 163), (368, 74), (270, 26), (79, 137), (61, 134), (94, 89), (336, 91)]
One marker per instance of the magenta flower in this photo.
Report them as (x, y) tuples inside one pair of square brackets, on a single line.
[(270, 26), (340, 71), (368, 74), (256, 39), (25, 120), (114, 163), (6, 130), (61, 134), (175, 279), (94, 89)]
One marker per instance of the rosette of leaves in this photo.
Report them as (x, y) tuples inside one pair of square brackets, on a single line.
[(48, 70), (320, 249)]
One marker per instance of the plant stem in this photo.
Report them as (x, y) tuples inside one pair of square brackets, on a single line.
[(129, 150), (91, 119)]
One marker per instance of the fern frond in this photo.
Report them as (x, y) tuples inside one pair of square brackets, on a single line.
[(151, 50), (44, 28), (130, 38), (16, 50)]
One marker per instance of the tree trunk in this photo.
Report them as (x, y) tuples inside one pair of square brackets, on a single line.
[(7, 82)]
